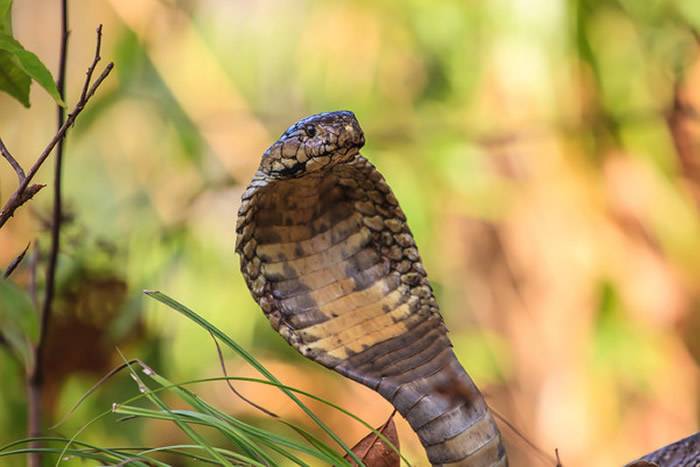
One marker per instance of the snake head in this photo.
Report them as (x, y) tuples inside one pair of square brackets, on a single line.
[(314, 143)]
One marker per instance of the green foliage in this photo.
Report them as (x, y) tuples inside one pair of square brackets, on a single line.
[(18, 66), (6, 16), (623, 348), (246, 443), (13, 80), (18, 321)]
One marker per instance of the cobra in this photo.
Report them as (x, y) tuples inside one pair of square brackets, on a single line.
[(328, 255)]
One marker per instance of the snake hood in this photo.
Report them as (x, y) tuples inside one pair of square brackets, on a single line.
[(327, 253), (314, 143)]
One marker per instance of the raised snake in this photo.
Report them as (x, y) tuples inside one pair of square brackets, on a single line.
[(328, 255)]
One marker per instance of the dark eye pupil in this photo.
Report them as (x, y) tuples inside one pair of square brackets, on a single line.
[(310, 130)]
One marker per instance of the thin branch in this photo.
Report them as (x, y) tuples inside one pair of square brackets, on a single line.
[(539, 451), (91, 68), (20, 196), (35, 375), (556, 453), (57, 215), (15, 262), (33, 266), (455, 386), (13, 162)]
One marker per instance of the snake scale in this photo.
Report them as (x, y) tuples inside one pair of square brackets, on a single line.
[(327, 254), (682, 453)]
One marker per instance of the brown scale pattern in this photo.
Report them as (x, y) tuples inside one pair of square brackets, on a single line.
[(328, 255)]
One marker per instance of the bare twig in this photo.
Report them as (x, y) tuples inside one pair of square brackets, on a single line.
[(35, 376), (556, 453), (91, 68), (15, 262), (539, 451), (33, 265), (456, 387), (13, 162), (25, 192)]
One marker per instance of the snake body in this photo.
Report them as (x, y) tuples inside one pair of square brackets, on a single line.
[(682, 453), (327, 254)]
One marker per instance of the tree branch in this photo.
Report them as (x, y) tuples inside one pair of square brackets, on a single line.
[(35, 376), (15, 262), (25, 191), (57, 215), (91, 68), (13, 162)]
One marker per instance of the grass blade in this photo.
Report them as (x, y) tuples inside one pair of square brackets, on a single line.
[(182, 309)]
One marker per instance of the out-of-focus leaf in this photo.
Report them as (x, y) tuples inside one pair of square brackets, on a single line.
[(18, 321), (690, 330), (374, 452), (6, 16), (624, 348), (13, 80), (30, 64), (137, 72), (691, 12)]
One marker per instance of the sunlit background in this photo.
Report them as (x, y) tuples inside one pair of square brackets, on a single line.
[(546, 152)]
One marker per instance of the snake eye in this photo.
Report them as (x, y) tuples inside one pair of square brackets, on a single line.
[(310, 131)]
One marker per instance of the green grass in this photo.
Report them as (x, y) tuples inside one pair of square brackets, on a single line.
[(245, 444)]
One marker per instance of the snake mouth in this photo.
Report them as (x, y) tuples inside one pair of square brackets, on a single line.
[(291, 172), (320, 162)]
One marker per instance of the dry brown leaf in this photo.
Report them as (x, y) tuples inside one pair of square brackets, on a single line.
[(374, 452)]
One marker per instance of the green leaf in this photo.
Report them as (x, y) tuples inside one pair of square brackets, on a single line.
[(13, 80), (18, 321), (6, 16), (31, 65)]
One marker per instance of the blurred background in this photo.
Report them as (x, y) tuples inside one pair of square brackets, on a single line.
[(546, 152)]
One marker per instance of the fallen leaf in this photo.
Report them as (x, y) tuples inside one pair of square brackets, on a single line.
[(374, 452)]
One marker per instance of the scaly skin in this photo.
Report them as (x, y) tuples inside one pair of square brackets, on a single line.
[(327, 254), (683, 453)]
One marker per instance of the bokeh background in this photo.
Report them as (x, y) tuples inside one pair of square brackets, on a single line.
[(546, 152)]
